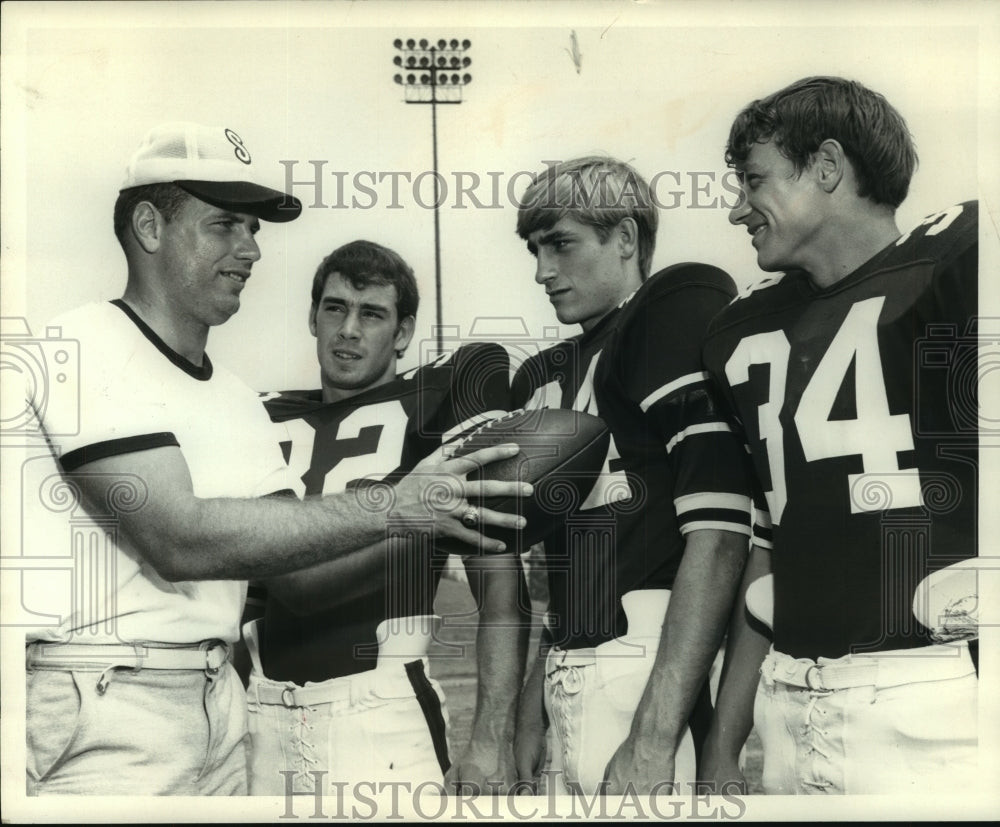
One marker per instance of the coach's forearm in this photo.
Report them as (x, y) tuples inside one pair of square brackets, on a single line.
[(185, 537), (700, 604), (239, 539)]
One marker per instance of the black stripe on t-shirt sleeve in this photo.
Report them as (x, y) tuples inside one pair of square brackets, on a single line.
[(73, 460)]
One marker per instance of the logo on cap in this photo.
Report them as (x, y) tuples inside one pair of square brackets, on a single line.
[(240, 151)]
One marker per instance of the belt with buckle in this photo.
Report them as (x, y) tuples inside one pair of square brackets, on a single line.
[(291, 695), (209, 656), (927, 663)]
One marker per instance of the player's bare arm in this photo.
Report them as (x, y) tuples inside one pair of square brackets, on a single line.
[(487, 763), (746, 647), (529, 737), (185, 537), (313, 589), (702, 598)]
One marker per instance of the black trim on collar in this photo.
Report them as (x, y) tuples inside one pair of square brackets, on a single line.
[(201, 372)]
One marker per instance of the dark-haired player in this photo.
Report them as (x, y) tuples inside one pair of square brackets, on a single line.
[(844, 368), (340, 690), (168, 462), (642, 577)]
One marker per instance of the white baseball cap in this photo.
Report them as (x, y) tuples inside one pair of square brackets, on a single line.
[(211, 163)]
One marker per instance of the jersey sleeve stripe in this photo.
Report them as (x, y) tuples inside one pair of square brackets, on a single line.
[(738, 517), (762, 531), (692, 430), (72, 460), (715, 525), (671, 387), (713, 499)]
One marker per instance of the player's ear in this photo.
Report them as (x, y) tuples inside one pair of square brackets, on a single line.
[(147, 225), (829, 164), (312, 318), (404, 333), (627, 237)]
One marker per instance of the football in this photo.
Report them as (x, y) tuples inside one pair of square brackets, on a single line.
[(562, 452)]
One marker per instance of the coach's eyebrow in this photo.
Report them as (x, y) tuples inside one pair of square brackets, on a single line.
[(229, 215)]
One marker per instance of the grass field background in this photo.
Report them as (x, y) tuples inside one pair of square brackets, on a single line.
[(453, 664)]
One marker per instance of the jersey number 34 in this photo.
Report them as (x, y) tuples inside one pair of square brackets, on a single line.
[(874, 434)]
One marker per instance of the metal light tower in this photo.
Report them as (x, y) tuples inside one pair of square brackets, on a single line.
[(432, 76)]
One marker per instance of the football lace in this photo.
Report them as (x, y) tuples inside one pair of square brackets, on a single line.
[(461, 443)]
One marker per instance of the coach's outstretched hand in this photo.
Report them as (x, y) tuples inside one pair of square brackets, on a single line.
[(437, 489)]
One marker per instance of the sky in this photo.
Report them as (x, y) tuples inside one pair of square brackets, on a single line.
[(311, 85), (657, 84)]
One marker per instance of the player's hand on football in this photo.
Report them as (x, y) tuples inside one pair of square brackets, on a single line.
[(468, 775), (437, 488)]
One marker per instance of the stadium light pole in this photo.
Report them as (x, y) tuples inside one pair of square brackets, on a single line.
[(433, 74)]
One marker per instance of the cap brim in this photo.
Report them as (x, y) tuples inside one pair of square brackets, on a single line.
[(246, 197)]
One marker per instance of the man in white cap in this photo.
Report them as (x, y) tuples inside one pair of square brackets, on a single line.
[(132, 691)]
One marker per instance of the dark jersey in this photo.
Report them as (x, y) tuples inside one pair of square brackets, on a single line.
[(378, 434), (859, 406), (673, 465)]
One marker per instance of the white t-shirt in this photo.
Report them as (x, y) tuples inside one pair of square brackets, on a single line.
[(135, 393)]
